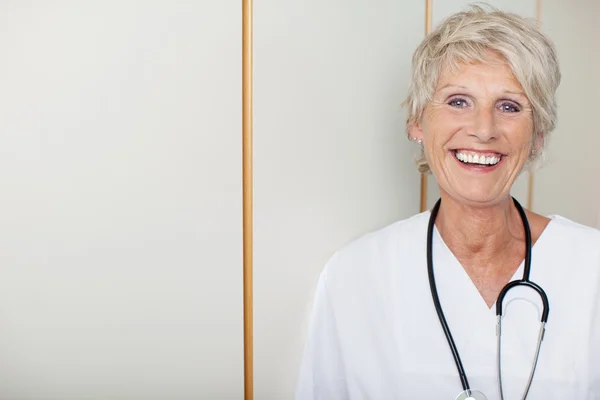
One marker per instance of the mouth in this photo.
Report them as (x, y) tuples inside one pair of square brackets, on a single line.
[(478, 160)]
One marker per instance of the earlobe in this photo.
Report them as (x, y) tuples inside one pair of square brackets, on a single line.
[(415, 132)]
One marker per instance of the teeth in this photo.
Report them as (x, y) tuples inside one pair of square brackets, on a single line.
[(478, 159)]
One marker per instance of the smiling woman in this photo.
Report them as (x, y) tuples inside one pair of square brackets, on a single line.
[(477, 131), (456, 300)]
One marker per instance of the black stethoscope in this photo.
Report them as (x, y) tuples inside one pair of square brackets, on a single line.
[(468, 393)]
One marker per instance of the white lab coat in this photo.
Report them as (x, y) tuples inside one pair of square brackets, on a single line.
[(374, 333)]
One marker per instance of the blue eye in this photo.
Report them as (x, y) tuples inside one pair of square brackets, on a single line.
[(458, 102), (509, 107)]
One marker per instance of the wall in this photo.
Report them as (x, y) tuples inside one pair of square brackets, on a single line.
[(120, 200), (569, 183), (332, 160)]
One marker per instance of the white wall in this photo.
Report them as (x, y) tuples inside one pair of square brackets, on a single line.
[(570, 182), (332, 160), (120, 200)]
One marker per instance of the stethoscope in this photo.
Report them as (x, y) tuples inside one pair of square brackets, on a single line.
[(468, 393)]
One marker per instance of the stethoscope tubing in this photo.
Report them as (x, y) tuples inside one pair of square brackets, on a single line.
[(525, 281), (436, 300)]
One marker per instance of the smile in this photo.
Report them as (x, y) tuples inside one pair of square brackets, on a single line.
[(485, 159)]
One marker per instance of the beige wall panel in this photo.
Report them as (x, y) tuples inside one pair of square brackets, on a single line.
[(332, 160), (120, 199), (569, 183)]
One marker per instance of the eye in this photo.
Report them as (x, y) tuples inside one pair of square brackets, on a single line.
[(458, 102), (510, 107)]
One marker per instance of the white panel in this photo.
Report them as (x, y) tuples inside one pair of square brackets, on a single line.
[(569, 183), (120, 200), (331, 153), (443, 9)]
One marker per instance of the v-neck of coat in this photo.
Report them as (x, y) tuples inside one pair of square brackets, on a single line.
[(465, 310), (463, 277)]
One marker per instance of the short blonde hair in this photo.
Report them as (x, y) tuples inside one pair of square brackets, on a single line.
[(467, 37)]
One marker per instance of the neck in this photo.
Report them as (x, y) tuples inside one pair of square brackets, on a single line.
[(482, 233)]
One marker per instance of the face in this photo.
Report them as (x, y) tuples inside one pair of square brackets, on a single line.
[(477, 132)]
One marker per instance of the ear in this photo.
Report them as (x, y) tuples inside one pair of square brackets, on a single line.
[(415, 131)]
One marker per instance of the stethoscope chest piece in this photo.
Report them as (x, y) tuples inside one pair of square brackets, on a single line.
[(471, 395)]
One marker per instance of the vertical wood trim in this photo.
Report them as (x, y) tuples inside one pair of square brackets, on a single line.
[(530, 190), (428, 15), (531, 180), (247, 197), (428, 23), (424, 184)]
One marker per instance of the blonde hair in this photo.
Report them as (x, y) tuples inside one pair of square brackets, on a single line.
[(467, 37)]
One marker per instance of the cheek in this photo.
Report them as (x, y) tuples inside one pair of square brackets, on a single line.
[(441, 130), (521, 135), (446, 119), (435, 150)]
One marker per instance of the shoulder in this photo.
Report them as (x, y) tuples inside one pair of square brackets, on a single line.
[(363, 275), (566, 230), (572, 245), (378, 248)]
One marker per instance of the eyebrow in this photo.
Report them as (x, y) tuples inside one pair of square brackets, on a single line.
[(450, 85)]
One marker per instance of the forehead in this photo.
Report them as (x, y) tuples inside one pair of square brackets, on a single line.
[(491, 71)]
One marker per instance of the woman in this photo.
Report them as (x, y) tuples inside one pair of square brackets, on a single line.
[(481, 105)]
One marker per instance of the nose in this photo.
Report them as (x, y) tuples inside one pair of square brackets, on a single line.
[(484, 125)]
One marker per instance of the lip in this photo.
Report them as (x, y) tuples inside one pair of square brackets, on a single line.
[(486, 152), (479, 168)]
